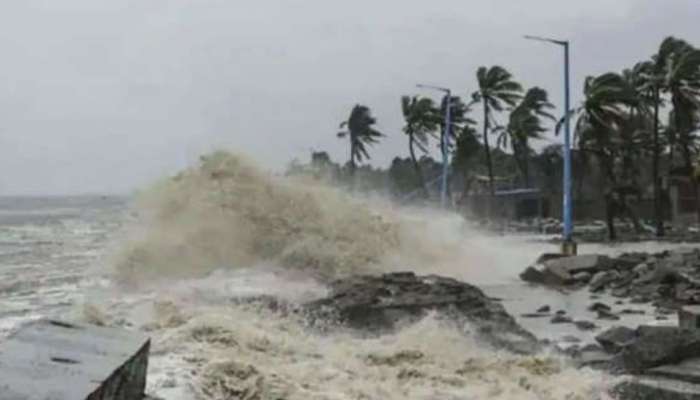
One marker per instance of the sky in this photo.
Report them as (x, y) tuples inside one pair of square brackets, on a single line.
[(106, 96)]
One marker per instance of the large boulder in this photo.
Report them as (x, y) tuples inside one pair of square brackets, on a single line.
[(650, 388), (590, 263), (653, 346), (544, 275), (614, 339), (378, 304), (566, 270)]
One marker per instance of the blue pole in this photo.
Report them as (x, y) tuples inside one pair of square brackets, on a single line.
[(568, 228), (445, 145)]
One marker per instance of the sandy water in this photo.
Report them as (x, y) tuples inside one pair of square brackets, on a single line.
[(143, 266)]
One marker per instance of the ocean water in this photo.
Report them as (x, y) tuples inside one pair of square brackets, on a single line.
[(171, 262)]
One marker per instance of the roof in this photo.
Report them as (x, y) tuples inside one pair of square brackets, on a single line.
[(517, 192)]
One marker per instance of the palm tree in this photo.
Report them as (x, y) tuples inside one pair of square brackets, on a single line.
[(682, 83), (497, 90), (524, 124), (361, 132), (647, 80), (421, 119), (599, 120)]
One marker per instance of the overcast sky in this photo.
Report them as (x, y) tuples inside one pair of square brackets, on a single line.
[(104, 96)]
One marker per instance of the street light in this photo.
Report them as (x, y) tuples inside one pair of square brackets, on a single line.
[(445, 140), (569, 246)]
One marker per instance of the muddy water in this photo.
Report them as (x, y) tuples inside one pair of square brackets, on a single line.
[(173, 268)]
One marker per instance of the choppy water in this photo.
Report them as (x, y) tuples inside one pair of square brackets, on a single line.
[(71, 258), (46, 247)]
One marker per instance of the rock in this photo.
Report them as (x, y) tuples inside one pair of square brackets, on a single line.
[(561, 312), (641, 269), (593, 359), (534, 315), (601, 279), (50, 359), (591, 347), (607, 315), (583, 277), (615, 338), (542, 275), (653, 346), (597, 306), (639, 299), (621, 292), (663, 274), (625, 280), (629, 261), (544, 309), (629, 311), (589, 263), (560, 319), (381, 304), (548, 256), (686, 371), (650, 388), (585, 325), (570, 339), (619, 302)]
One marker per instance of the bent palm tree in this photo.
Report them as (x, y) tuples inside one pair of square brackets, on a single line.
[(421, 118), (599, 119), (497, 90), (360, 130), (524, 124)]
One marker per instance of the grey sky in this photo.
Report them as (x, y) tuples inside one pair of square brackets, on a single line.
[(105, 96)]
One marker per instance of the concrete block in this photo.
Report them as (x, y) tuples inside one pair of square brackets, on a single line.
[(689, 317), (52, 360)]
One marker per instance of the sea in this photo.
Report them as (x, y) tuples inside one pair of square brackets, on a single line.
[(171, 262)]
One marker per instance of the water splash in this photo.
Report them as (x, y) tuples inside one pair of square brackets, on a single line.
[(227, 213)]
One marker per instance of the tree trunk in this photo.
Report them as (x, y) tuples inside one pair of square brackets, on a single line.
[(352, 155), (610, 209), (658, 211), (487, 148), (611, 203), (419, 173), (684, 142), (526, 171)]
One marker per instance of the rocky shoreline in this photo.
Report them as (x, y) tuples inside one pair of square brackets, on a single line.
[(659, 362)]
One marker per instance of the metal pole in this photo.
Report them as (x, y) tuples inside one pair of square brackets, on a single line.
[(568, 204), (568, 247), (445, 146), (444, 140)]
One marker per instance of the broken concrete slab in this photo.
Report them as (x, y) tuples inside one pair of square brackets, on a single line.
[(55, 360), (687, 371), (655, 346), (689, 317), (650, 388), (590, 263)]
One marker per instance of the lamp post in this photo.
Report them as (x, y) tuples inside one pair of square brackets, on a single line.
[(568, 246), (445, 140)]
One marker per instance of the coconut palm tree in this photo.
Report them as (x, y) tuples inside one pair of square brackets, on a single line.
[(421, 118), (647, 80), (599, 119), (359, 128), (525, 123), (682, 83), (497, 91)]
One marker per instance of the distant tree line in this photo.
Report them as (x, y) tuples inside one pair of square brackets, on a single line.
[(648, 112)]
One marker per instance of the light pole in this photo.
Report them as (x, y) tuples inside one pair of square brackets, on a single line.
[(568, 246), (445, 140)]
